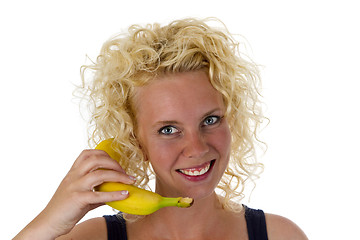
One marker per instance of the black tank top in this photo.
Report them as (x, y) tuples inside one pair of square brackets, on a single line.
[(255, 221)]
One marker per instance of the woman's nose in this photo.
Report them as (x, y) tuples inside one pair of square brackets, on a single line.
[(195, 146)]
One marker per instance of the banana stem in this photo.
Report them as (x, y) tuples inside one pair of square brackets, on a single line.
[(168, 202), (176, 202)]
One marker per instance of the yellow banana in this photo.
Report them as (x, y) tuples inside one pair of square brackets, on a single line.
[(140, 201)]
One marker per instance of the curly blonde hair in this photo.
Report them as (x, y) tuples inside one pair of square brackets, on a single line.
[(127, 61)]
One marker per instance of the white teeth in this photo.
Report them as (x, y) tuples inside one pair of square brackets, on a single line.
[(196, 173)]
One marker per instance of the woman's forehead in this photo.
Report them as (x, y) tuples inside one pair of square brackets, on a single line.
[(178, 92)]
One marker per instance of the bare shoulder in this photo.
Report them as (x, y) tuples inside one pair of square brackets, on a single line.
[(279, 228), (92, 229)]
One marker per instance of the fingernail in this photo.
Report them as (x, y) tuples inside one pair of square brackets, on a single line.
[(132, 178), (124, 192)]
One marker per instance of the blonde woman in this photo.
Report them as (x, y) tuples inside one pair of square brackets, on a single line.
[(183, 105)]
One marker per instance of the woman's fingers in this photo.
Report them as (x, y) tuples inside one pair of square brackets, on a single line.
[(92, 168), (97, 177), (91, 160), (103, 197)]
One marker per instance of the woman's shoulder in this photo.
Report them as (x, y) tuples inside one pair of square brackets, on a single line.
[(94, 228), (279, 227)]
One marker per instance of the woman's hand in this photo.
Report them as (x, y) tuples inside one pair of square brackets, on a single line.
[(75, 196)]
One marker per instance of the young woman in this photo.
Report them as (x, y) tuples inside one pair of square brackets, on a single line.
[(183, 106)]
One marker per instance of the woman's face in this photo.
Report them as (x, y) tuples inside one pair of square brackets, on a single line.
[(183, 132)]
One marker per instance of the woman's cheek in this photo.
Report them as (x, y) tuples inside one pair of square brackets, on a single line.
[(222, 139), (162, 152)]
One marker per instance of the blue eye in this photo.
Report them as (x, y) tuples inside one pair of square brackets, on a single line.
[(168, 130), (211, 120)]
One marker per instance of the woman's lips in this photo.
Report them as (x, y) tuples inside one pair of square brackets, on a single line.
[(196, 172)]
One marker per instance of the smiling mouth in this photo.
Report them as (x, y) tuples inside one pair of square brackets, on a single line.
[(197, 171)]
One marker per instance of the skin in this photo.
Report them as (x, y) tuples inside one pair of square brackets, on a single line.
[(189, 112), (181, 126)]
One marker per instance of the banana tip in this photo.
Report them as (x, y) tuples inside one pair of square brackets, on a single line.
[(185, 202)]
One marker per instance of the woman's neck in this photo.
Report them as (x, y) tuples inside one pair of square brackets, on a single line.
[(202, 220)]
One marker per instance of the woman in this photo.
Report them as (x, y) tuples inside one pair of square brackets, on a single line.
[(182, 104)]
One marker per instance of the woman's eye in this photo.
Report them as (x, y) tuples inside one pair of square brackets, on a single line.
[(168, 130), (211, 120)]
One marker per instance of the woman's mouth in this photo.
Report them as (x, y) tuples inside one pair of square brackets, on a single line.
[(197, 172)]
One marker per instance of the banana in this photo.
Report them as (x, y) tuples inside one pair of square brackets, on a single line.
[(140, 201)]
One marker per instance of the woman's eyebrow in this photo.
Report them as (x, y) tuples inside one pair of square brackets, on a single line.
[(173, 122), (210, 112), (166, 122)]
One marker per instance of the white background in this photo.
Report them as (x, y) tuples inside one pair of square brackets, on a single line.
[(310, 52)]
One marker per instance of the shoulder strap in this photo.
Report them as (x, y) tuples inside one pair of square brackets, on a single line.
[(116, 227), (256, 225), (255, 221)]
